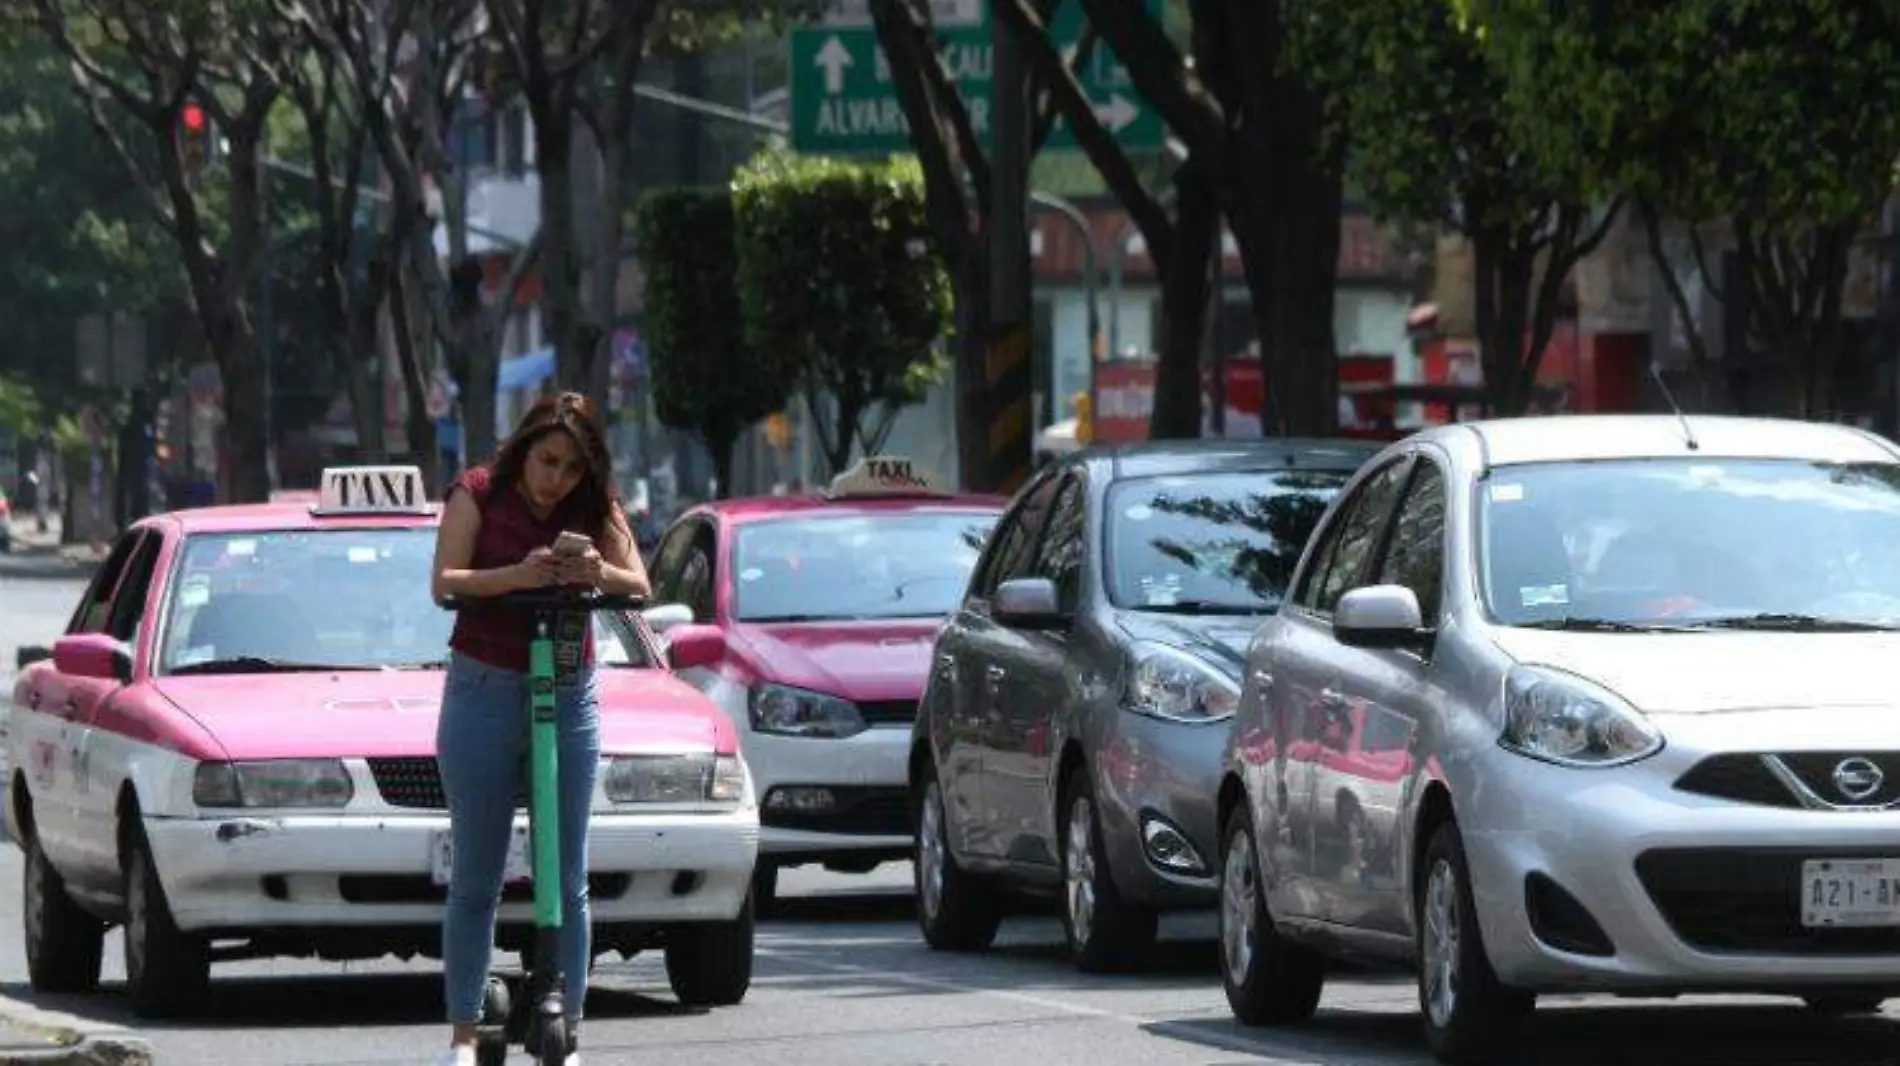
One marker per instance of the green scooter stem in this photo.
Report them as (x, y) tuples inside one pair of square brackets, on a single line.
[(545, 772)]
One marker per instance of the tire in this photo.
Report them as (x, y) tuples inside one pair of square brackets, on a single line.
[(167, 971), (956, 909), (1843, 1005), (64, 944), (764, 888), (1469, 1015), (1269, 980), (1105, 932), (710, 964), (554, 1042)]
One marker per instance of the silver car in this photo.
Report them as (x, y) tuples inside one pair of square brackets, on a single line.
[(1578, 704)]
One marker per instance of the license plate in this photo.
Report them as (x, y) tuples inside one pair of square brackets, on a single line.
[(442, 858), (1850, 892)]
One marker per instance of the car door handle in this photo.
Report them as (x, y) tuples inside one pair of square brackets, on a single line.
[(995, 673), (33, 700), (1263, 679), (1331, 698), (70, 709), (947, 665)]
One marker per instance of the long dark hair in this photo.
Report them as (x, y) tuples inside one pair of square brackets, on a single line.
[(595, 499)]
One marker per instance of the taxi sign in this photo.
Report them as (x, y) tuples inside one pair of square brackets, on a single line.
[(879, 475), (372, 490)]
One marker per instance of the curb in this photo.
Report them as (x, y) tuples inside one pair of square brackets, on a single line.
[(76, 1041)]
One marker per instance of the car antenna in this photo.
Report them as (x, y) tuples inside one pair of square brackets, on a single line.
[(1688, 434)]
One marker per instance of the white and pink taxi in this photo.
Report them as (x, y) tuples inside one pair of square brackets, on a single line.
[(230, 753)]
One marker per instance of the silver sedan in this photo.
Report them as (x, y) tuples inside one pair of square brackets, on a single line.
[(1578, 704)]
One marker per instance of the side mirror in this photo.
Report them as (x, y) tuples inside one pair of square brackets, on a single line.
[(1379, 616), (32, 653), (690, 647), (665, 616), (93, 655), (1028, 603)]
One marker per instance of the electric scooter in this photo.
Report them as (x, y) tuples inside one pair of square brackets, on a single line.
[(539, 1021)]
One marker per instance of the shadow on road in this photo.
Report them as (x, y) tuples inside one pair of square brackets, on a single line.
[(1765, 1034)]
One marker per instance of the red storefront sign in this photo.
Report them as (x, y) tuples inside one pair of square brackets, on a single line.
[(1124, 399)]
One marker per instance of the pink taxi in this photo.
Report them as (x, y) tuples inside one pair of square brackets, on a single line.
[(815, 617), (230, 753)]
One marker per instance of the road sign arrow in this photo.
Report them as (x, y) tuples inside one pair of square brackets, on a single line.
[(1118, 113), (832, 59)]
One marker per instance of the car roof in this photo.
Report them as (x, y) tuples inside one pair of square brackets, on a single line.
[(1557, 438), (1165, 457), (284, 518), (749, 509)]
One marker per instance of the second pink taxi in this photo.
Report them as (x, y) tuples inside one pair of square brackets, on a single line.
[(230, 753), (815, 617)]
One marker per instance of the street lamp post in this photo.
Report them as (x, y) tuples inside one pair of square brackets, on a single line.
[(1080, 221)]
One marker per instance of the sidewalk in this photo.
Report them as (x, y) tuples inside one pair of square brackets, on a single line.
[(41, 555), (32, 1036)]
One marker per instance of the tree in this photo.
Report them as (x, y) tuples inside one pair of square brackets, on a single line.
[(1416, 107), (1770, 114), (837, 277), (706, 379), (136, 67), (1256, 126)]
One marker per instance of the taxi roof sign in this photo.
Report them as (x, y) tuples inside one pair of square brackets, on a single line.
[(372, 490), (883, 475)]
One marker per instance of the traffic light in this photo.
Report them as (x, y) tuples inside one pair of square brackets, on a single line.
[(194, 137), (1084, 419)]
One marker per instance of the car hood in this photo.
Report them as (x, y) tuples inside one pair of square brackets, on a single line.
[(1689, 673), (343, 715), (1221, 639), (867, 662)]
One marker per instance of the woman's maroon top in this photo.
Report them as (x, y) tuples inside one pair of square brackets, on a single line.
[(509, 532)]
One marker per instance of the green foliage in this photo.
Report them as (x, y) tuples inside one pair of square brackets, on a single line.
[(1418, 111), (838, 275), (19, 408), (705, 379), (1779, 111)]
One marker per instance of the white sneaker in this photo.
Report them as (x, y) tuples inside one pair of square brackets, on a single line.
[(457, 1056), (573, 1059)]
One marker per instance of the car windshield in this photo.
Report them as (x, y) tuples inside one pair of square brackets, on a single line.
[(355, 599), (1696, 543), (900, 564), (1212, 542)]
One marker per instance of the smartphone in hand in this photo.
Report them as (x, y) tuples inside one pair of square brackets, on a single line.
[(571, 543)]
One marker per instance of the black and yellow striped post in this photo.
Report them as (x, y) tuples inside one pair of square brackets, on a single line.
[(1007, 379)]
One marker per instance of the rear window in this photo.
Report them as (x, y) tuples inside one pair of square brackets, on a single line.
[(344, 598), (852, 567)]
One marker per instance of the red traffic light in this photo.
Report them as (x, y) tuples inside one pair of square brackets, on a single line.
[(194, 118)]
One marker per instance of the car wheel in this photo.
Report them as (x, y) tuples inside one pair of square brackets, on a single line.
[(167, 970), (1845, 1004), (1470, 1016), (64, 944), (956, 910), (1105, 931), (1269, 980), (710, 964)]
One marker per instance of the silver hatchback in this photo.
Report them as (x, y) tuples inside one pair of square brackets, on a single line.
[(1578, 704)]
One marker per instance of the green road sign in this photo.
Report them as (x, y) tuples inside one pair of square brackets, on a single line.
[(843, 102)]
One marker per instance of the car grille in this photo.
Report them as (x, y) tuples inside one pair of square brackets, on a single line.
[(417, 783), (1747, 900), (1791, 779), (856, 811), (889, 712)]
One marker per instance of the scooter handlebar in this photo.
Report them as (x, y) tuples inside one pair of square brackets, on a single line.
[(546, 600)]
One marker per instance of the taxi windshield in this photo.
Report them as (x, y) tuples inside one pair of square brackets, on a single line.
[(1693, 543), (1213, 542), (851, 567), (337, 599)]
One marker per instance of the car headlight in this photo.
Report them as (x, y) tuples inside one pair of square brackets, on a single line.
[(795, 712), (272, 783), (675, 779), (1169, 683), (1563, 719)]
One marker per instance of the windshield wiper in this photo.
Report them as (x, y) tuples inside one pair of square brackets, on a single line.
[(1206, 607), (1597, 625), (257, 664), (1794, 623)]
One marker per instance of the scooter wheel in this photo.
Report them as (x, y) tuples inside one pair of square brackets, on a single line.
[(496, 1002), (554, 1046), (491, 1053)]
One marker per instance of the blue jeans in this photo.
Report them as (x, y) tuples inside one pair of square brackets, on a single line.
[(482, 747)]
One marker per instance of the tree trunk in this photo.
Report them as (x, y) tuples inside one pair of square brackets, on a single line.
[(233, 345), (1501, 273), (720, 448), (573, 336), (972, 293), (1185, 286)]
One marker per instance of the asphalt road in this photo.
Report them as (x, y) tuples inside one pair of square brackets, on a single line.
[(843, 980)]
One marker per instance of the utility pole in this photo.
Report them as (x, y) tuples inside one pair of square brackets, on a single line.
[(1011, 343)]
